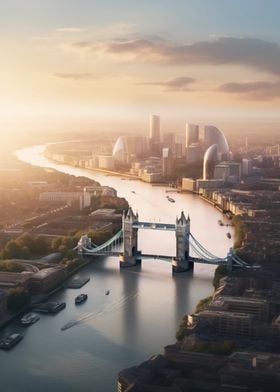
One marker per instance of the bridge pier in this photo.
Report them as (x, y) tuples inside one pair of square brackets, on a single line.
[(130, 255), (181, 262)]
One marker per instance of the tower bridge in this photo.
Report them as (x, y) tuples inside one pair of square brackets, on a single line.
[(124, 244)]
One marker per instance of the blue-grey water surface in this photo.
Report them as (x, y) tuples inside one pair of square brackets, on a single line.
[(137, 319)]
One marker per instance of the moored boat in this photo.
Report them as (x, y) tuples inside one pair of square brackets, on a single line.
[(80, 299), (10, 341), (29, 318), (49, 307)]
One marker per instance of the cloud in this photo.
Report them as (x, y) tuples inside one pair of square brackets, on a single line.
[(257, 91), (177, 84), (251, 52), (75, 76), (69, 30)]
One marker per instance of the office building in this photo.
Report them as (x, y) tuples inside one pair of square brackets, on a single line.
[(154, 135), (247, 165), (228, 172), (193, 153), (192, 132), (167, 162)]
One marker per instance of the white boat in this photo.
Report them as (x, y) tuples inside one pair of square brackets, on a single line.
[(29, 318)]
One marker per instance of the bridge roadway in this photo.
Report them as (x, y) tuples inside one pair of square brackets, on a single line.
[(159, 257), (154, 226)]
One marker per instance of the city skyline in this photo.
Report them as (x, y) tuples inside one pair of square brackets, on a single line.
[(79, 62)]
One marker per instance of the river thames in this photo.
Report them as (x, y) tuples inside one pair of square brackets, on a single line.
[(138, 318)]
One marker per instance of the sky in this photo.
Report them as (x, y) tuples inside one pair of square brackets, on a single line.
[(71, 61)]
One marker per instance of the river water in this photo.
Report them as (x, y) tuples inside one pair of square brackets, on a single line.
[(137, 319)]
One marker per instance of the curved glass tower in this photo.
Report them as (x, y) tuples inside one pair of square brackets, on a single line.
[(120, 150), (213, 135), (209, 161)]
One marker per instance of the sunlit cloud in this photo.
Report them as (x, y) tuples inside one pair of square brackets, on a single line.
[(69, 30), (255, 91), (181, 83), (251, 52), (75, 76)]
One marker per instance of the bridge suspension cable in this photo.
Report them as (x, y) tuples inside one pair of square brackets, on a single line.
[(103, 248), (203, 251)]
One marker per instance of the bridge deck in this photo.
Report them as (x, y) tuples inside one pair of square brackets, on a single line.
[(154, 226)]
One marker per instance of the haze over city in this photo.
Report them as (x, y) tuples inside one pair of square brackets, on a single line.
[(139, 196), (111, 64)]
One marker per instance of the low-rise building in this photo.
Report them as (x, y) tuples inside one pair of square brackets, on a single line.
[(254, 306), (227, 323), (47, 279)]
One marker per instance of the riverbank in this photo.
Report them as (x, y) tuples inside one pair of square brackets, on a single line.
[(42, 297), (94, 351)]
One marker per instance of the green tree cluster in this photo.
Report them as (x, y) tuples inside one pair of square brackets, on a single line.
[(181, 330), (24, 247), (17, 298), (72, 264), (220, 272), (65, 246), (10, 266)]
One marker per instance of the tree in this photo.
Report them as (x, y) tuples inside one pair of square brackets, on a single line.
[(10, 266), (12, 250), (220, 272)]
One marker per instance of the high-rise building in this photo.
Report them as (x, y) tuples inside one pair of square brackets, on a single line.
[(154, 136), (194, 153), (169, 141), (120, 150), (180, 142), (154, 129), (246, 167), (213, 135), (209, 161), (167, 162), (192, 132)]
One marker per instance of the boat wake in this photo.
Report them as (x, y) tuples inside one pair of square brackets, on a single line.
[(107, 309)]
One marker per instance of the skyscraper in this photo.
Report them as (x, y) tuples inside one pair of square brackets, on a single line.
[(154, 137), (209, 161), (213, 135), (191, 134), (154, 129)]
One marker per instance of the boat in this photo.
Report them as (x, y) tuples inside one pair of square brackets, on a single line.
[(170, 199), (80, 299), (220, 222), (29, 318), (107, 292), (49, 307), (10, 341), (132, 191), (228, 235)]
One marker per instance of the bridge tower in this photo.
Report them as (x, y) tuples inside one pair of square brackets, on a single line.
[(130, 255), (181, 262), (230, 259)]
